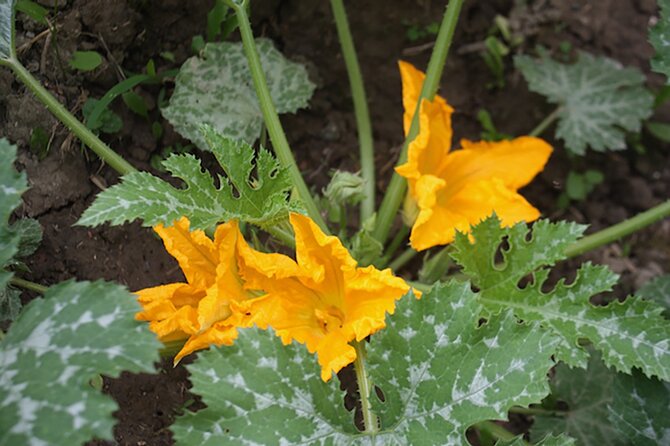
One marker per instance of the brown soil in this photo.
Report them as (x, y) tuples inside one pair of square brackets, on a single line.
[(130, 32)]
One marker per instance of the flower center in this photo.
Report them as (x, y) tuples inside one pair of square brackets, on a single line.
[(330, 318)]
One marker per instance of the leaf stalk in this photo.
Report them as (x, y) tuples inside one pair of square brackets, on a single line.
[(270, 116), (370, 421), (110, 157), (361, 112), (395, 193)]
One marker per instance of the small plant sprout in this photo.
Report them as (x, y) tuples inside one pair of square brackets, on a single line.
[(292, 301)]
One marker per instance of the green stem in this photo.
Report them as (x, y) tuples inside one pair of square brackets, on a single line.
[(538, 411), (28, 285), (369, 418), (496, 431), (270, 116), (398, 239), (63, 115), (402, 259), (395, 193), (619, 230), (360, 108), (546, 122)]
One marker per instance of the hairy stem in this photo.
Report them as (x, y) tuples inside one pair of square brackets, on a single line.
[(619, 230), (83, 133), (28, 285), (360, 107), (369, 418), (546, 122), (395, 193), (274, 127)]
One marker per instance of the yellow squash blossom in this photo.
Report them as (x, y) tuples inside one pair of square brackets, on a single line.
[(207, 309), (322, 300), (451, 190)]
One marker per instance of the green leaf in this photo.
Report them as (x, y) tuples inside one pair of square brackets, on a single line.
[(660, 130), (135, 103), (29, 232), (33, 10), (10, 302), (659, 37), (215, 88), (657, 290), (7, 29), (260, 200), (549, 440), (440, 372), (629, 334), (639, 409), (51, 352), (600, 100), (85, 60), (587, 394), (107, 121), (12, 185), (261, 392)]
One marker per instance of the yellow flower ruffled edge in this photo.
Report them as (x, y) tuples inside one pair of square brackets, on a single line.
[(450, 191), (321, 299)]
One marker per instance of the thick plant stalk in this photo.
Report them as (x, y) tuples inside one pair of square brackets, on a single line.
[(274, 127), (619, 230), (370, 422), (361, 112), (110, 157), (395, 193)]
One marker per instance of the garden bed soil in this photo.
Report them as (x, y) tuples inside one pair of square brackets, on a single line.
[(130, 33)]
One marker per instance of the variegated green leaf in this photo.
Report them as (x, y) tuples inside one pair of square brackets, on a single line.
[(260, 200), (51, 352), (587, 394), (549, 440), (640, 409), (7, 29), (657, 290), (629, 334), (259, 391), (10, 300), (438, 370), (440, 373), (659, 36), (600, 100), (215, 88)]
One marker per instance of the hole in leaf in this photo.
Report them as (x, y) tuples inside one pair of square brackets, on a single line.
[(380, 394)]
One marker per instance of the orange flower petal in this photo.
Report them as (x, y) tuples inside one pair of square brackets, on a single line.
[(194, 251), (218, 334), (437, 223), (334, 353)]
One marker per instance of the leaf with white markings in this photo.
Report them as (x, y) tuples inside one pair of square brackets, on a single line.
[(51, 352), (549, 440), (17, 240), (629, 334), (657, 290), (587, 394), (7, 29), (260, 200), (640, 408), (438, 370), (600, 100), (259, 391), (440, 373), (215, 88), (659, 37)]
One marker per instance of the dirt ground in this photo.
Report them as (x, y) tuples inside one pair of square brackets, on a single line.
[(130, 32)]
